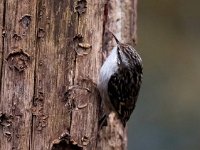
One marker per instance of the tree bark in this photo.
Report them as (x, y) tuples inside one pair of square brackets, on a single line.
[(51, 54)]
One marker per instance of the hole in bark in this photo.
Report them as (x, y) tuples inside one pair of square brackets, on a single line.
[(5, 119), (18, 60), (81, 6), (78, 38), (25, 21), (65, 143), (41, 33), (17, 37), (6, 122)]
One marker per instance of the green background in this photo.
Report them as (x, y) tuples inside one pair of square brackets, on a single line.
[(167, 115)]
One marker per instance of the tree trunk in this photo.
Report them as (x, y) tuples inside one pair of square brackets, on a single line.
[(51, 54)]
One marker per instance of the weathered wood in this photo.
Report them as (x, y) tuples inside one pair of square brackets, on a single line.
[(54, 64), (1, 50), (17, 79), (1, 31), (62, 67), (90, 28)]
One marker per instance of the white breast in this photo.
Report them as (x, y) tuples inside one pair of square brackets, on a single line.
[(109, 67)]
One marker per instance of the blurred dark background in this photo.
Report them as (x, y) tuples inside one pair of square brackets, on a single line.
[(167, 115)]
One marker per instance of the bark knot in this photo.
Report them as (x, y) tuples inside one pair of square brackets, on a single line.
[(18, 60)]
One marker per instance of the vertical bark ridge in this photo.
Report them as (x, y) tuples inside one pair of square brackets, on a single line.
[(17, 74)]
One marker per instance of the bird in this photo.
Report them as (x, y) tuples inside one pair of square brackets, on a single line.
[(120, 80)]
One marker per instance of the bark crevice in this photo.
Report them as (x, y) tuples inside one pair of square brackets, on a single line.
[(34, 80), (3, 39)]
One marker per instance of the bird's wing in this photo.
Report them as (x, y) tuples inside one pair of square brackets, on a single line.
[(123, 91)]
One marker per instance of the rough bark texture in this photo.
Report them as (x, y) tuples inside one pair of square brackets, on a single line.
[(50, 60), (17, 74)]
